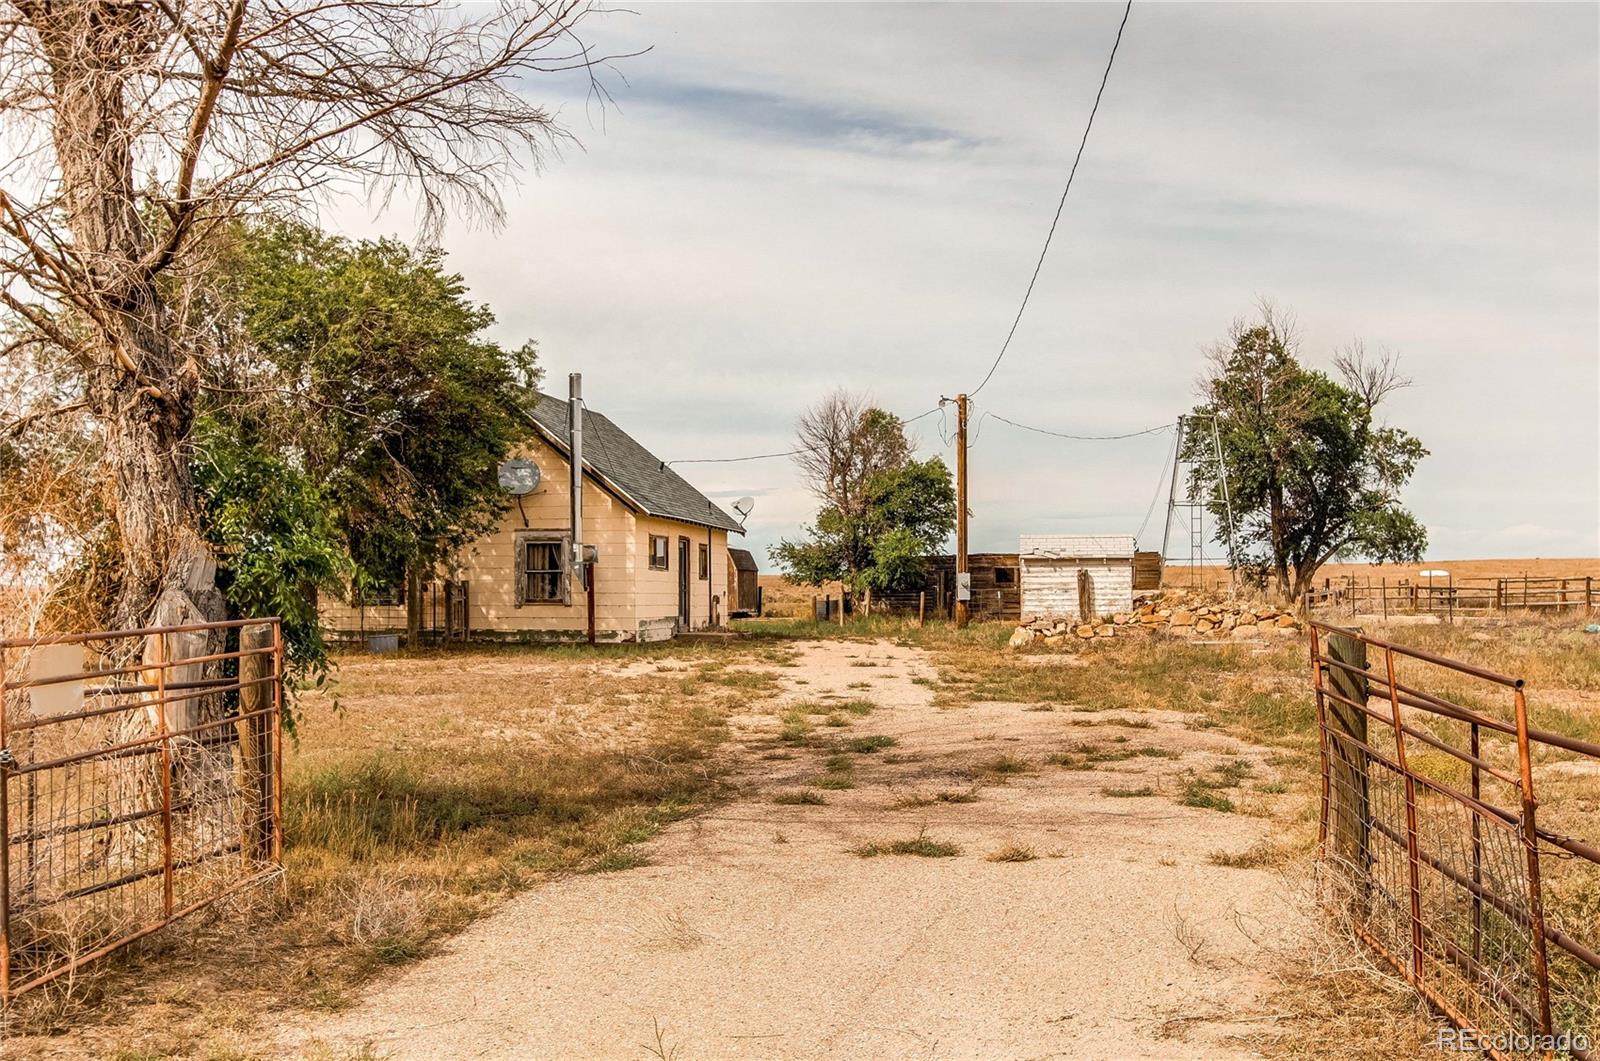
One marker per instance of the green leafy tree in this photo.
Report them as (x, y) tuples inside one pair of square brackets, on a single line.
[(882, 512), (361, 368), (276, 537), (1311, 471)]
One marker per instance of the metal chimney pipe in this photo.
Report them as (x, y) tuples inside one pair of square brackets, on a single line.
[(575, 452)]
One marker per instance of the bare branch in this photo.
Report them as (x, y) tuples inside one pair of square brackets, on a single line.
[(1374, 378)]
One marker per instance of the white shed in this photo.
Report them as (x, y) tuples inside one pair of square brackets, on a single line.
[(1076, 576)]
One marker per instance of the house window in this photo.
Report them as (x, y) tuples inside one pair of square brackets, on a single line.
[(705, 562), (542, 570), (658, 552), (1005, 576)]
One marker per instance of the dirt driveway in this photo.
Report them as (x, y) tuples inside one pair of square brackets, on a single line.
[(761, 929)]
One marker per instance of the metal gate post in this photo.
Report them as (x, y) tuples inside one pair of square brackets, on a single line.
[(1413, 860), (1530, 841), (1322, 744), (1477, 845), (5, 841), (277, 741), (166, 773)]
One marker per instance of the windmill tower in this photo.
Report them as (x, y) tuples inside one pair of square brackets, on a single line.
[(1193, 510)]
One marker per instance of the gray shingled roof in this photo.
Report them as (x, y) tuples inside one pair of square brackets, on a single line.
[(631, 470)]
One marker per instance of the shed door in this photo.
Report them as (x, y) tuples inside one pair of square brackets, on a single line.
[(1086, 611)]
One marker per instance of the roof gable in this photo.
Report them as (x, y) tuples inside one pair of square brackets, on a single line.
[(644, 480)]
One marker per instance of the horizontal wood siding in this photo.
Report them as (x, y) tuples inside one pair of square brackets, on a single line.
[(489, 565), (1050, 587), (657, 591)]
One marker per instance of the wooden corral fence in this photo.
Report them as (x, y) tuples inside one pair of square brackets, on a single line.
[(1439, 852), (1449, 596), (140, 780)]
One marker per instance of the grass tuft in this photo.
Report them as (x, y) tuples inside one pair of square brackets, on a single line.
[(1012, 853), (799, 798), (919, 845), (1006, 765)]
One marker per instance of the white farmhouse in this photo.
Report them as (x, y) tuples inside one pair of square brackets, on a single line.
[(1076, 576)]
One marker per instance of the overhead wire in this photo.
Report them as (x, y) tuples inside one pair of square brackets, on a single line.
[(1128, 7), (1160, 481), (770, 456), (1084, 438)]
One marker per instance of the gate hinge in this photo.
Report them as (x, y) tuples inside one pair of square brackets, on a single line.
[(6, 758)]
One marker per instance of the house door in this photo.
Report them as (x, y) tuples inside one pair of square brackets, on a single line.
[(683, 583)]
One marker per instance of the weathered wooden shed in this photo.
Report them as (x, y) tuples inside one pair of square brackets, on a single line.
[(1076, 576), (996, 593), (744, 584)]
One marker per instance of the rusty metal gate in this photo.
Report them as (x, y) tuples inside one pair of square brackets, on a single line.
[(1439, 854), (140, 780)]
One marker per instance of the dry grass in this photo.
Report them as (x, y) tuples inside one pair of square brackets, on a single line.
[(920, 845), (803, 797), (1012, 853), (445, 783)]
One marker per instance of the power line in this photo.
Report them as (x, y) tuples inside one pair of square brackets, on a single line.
[(735, 460), (770, 456), (1083, 438), (1054, 221), (1161, 480)]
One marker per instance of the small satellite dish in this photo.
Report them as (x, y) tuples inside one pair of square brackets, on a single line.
[(519, 477), (743, 507)]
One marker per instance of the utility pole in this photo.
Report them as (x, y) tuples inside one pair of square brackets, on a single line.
[(963, 577)]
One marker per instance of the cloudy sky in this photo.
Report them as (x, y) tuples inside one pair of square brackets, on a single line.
[(782, 199)]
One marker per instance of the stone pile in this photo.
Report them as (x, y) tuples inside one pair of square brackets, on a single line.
[(1193, 613)]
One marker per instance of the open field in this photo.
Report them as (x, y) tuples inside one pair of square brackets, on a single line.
[(1539, 567), (783, 599), (775, 822)]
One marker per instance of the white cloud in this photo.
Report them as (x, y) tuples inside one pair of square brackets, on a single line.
[(793, 197)]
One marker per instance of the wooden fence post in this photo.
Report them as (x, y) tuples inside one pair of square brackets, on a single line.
[(1350, 802), (922, 607), (255, 742)]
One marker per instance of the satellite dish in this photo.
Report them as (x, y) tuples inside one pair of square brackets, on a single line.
[(519, 477), (743, 507)]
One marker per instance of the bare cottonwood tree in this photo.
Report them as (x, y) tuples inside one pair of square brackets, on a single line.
[(841, 442), (133, 127), (1373, 376)]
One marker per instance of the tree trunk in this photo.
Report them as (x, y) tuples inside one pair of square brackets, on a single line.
[(137, 383), (413, 606), (1280, 559)]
